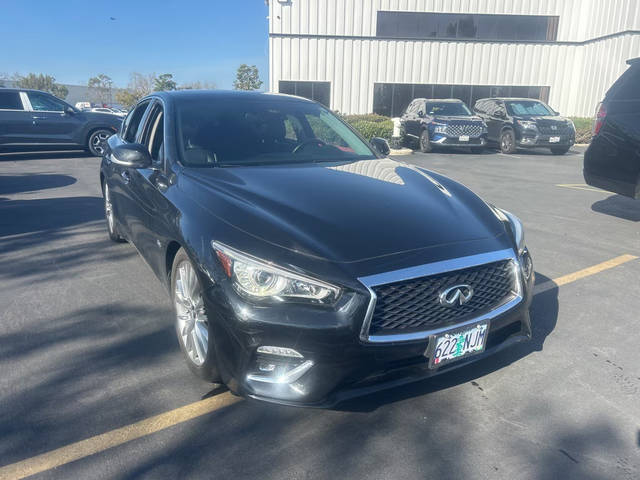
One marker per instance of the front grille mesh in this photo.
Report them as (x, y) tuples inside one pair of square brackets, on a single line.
[(413, 305), (458, 129), (546, 128)]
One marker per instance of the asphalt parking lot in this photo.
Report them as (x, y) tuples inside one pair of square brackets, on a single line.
[(93, 385)]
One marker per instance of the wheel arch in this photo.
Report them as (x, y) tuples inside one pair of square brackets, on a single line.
[(170, 254)]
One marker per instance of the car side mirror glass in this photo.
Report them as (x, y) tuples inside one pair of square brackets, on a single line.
[(381, 145), (132, 155), (500, 114), (69, 111)]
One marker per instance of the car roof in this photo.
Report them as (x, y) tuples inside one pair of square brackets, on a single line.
[(519, 99), (13, 89), (633, 61), (177, 96), (444, 100)]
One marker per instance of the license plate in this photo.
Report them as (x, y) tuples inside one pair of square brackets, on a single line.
[(554, 139), (463, 138), (456, 344)]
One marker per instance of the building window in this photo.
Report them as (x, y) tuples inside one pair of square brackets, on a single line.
[(467, 27), (318, 91), (392, 99)]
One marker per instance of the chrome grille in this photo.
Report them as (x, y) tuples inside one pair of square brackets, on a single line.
[(547, 128), (413, 305), (459, 129)]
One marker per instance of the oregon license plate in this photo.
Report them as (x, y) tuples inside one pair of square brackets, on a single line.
[(459, 343), (554, 139), (463, 138)]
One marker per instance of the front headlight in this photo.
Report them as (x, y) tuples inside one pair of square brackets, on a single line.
[(258, 279), (527, 124), (518, 235)]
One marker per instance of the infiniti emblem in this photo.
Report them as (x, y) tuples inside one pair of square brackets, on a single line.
[(456, 295)]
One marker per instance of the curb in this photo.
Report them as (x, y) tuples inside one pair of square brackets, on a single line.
[(401, 151)]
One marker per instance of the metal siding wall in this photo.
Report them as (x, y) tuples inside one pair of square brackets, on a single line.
[(579, 19), (578, 75)]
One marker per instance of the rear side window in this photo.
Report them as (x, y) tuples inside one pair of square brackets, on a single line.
[(42, 102), (10, 101), (627, 87)]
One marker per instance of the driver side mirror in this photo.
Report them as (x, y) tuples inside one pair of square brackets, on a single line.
[(500, 114), (381, 145), (69, 111), (420, 113), (132, 155)]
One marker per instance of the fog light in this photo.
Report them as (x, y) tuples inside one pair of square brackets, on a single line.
[(279, 351), (285, 374)]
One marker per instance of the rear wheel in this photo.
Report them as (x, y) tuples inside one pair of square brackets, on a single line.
[(112, 227), (192, 321), (508, 142), (425, 142), (559, 150), (97, 143)]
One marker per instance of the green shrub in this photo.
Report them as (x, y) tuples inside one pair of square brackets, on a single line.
[(371, 125), (583, 129)]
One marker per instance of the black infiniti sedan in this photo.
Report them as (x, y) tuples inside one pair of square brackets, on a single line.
[(305, 267)]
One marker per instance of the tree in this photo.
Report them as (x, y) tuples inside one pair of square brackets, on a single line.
[(247, 78), (100, 88), (46, 83), (164, 83), (139, 86)]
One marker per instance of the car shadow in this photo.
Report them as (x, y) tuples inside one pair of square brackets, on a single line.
[(26, 216), (544, 315), (10, 184), (619, 206), (47, 154)]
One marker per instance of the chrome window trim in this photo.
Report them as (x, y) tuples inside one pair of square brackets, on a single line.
[(26, 103), (434, 268)]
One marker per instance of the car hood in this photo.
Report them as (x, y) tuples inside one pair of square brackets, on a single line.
[(344, 212), (460, 119)]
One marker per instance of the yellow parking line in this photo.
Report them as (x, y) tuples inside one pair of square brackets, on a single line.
[(119, 436), (572, 277), (104, 441), (580, 186)]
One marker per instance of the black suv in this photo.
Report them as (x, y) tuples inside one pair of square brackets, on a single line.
[(525, 123), (31, 118), (443, 123), (612, 161)]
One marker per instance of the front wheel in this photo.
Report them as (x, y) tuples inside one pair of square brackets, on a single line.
[(192, 321), (559, 150), (508, 142), (112, 227), (97, 143), (425, 142)]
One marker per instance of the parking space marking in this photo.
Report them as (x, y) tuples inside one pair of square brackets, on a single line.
[(99, 443), (586, 272), (113, 438), (580, 186)]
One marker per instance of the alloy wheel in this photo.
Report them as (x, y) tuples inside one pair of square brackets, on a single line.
[(108, 208), (192, 323), (98, 142)]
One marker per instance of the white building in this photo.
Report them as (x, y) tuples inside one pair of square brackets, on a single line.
[(362, 56)]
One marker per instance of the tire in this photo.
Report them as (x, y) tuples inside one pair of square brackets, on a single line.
[(477, 150), (112, 226), (192, 319), (508, 142), (424, 142), (559, 150), (97, 142)]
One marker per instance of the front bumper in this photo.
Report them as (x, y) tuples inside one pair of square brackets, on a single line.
[(446, 141), (343, 366), (537, 140)]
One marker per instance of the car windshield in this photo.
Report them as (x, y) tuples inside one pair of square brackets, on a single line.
[(223, 132), (448, 109), (527, 107)]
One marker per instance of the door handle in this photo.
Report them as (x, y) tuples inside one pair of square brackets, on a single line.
[(125, 176), (35, 117)]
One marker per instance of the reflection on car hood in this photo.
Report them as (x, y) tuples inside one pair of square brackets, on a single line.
[(545, 118), (344, 212)]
